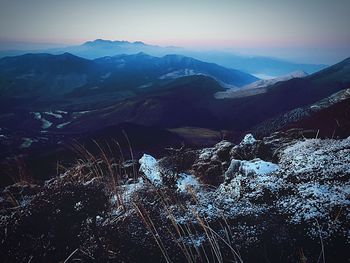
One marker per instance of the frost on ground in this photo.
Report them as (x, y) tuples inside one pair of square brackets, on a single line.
[(61, 125), (308, 187), (45, 123), (282, 192), (56, 114), (316, 173), (27, 142), (186, 181)]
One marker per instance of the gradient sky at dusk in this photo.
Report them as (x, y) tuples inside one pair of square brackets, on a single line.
[(310, 30)]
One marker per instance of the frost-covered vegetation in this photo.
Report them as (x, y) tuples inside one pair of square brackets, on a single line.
[(281, 199)]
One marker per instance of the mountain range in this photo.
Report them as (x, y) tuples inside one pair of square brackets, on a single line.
[(70, 81), (191, 100), (251, 64), (65, 94), (49, 101)]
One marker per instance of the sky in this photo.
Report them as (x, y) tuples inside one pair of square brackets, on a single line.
[(314, 31)]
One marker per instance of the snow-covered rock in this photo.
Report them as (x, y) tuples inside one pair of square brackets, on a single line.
[(149, 167), (248, 139), (308, 187), (212, 162), (186, 181), (250, 148), (219, 151), (298, 200), (258, 167)]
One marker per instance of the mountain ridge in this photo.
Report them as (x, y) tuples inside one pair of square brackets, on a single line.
[(251, 64)]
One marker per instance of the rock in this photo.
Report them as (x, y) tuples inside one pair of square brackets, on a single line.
[(276, 142), (232, 170), (212, 162), (248, 139), (249, 149), (179, 162), (260, 207)]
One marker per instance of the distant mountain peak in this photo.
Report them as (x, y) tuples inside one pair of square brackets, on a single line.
[(139, 43), (107, 42), (67, 54), (97, 42)]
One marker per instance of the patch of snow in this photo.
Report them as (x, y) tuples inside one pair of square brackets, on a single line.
[(79, 113), (314, 200), (324, 158), (264, 76), (56, 115), (205, 154), (248, 139), (106, 76), (258, 167), (37, 115), (317, 174), (61, 112), (211, 153), (263, 83), (193, 240), (45, 124), (145, 85), (78, 206), (129, 189), (60, 126), (99, 219), (257, 87), (27, 142), (186, 181), (254, 174), (180, 73)]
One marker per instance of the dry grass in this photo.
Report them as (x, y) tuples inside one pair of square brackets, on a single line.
[(106, 163), (181, 233)]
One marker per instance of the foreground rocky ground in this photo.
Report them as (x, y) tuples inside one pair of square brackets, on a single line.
[(281, 199)]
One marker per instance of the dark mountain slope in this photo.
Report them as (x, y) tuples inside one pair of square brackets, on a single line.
[(331, 122), (190, 102), (43, 75), (71, 82), (330, 116), (185, 101)]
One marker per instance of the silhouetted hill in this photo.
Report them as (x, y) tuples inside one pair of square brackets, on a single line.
[(70, 81)]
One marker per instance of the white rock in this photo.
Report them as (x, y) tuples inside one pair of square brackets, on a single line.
[(150, 169), (248, 139)]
